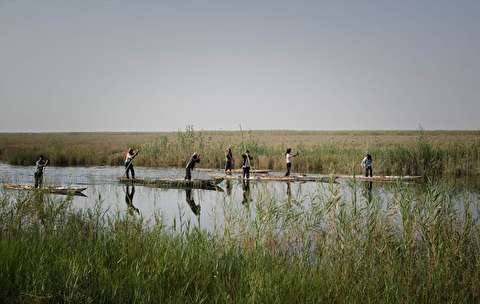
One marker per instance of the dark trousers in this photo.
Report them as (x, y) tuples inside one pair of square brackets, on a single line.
[(228, 165), (38, 179), (367, 171), (188, 174), (129, 169), (289, 167), (246, 172)]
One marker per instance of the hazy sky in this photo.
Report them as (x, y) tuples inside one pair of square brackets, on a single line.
[(157, 66)]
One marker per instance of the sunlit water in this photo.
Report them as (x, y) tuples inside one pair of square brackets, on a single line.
[(202, 208)]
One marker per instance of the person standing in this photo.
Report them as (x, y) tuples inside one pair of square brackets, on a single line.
[(288, 157), (228, 161), (367, 164), (131, 154), (246, 164), (40, 164), (191, 165)]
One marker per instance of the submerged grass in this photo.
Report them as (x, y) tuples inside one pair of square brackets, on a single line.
[(394, 152), (415, 247)]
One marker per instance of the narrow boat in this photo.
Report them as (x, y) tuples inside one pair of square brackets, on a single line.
[(48, 189), (258, 171), (293, 178), (206, 184), (386, 178)]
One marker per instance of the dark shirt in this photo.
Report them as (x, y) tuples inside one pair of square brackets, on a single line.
[(191, 163), (229, 156), (246, 160), (40, 164)]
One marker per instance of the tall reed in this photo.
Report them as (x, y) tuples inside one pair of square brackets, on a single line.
[(417, 246), (420, 157)]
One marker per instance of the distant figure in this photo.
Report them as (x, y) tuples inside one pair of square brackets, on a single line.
[(39, 165), (228, 161), (191, 165), (246, 164), (288, 158), (131, 154), (191, 202), (129, 199), (367, 164)]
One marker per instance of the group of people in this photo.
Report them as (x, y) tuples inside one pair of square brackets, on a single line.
[(41, 163), (367, 163)]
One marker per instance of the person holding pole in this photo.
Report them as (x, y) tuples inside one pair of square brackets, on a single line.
[(190, 165), (40, 164), (131, 154), (367, 164), (288, 157)]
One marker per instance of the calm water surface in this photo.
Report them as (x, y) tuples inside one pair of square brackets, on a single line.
[(203, 208)]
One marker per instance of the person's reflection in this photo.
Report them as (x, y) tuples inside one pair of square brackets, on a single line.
[(191, 202), (246, 192), (229, 187), (289, 192), (368, 191), (129, 199)]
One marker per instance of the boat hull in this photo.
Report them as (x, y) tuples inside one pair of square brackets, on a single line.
[(271, 178), (210, 184), (378, 178), (48, 189)]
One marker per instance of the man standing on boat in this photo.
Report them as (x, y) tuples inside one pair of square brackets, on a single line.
[(246, 164), (228, 161), (288, 156), (40, 165), (131, 154), (190, 165), (367, 164)]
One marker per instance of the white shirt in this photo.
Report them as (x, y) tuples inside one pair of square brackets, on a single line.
[(289, 157), (128, 158)]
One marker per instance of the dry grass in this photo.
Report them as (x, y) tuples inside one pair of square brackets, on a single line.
[(395, 152)]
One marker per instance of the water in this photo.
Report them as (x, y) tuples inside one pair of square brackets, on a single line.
[(206, 209)]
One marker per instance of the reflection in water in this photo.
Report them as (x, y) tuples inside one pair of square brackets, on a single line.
[(289, 192), (129, 199), (246, 192), (191, 202), (102, 185), (367, 191), (229, 187)]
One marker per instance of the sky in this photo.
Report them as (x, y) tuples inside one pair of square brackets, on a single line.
[(219, 65)]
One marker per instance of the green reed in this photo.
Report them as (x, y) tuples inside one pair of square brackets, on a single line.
[(416, 246)]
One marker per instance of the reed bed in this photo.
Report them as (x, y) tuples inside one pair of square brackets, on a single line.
[(416, 246), (395, 153)]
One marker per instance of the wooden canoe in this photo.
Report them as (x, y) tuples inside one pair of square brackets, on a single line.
[(206, 184), (387, 178), (258, 171), (48, 189), (293, 178)]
